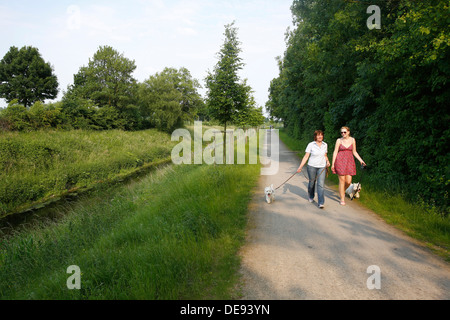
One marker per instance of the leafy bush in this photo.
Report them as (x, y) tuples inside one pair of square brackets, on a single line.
[(45, 116), (17, 116)]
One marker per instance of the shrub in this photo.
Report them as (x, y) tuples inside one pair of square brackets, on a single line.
[(16, 115)]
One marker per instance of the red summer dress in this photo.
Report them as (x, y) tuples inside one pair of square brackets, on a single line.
[(345, 163)]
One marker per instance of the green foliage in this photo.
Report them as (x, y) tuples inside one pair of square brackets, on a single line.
[(104, 95), (106, 82), (38, 116), (17, 116), (251, 116), (169, 98), (183, 82), (390, 86), (79, 112), (45, 116), (226, 96), (107, 79), (26, 77)]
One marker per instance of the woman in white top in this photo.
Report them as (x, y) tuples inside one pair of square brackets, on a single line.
[(316, 152)]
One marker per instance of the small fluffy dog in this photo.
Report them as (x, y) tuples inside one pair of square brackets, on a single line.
[(352, 191), (270, 194)]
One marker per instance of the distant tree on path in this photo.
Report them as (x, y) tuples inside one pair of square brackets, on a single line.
[(226, 95)]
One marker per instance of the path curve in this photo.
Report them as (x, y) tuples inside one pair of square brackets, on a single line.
[(296, 251)]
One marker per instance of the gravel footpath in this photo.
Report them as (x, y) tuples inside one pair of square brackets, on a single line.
[(296, 251)]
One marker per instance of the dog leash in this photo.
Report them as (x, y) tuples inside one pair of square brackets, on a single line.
[(286, 181), (303, 174)]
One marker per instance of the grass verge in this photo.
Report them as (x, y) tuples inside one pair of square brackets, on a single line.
[(37, 167), (415, 219), (173, 235)]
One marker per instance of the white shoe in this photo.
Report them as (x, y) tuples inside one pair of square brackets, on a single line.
[(321, 206), (311, 200)]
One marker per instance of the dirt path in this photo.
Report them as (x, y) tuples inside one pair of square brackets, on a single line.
[(297, 251)]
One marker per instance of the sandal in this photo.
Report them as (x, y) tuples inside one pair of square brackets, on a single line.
[(342, 203)]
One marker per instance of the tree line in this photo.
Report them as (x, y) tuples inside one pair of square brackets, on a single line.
[(389, 85), (105, 95)]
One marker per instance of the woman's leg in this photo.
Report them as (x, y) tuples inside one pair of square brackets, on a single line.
[(342, 188), (348, 182), (312, 172), (320, 185)]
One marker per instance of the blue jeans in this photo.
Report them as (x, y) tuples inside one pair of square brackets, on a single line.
[(312, 174)]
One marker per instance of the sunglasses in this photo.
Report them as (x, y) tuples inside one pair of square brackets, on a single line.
[(343, 132)]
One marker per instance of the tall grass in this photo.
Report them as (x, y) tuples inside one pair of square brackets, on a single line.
[(173, 235), (416, 219), (38, 166)]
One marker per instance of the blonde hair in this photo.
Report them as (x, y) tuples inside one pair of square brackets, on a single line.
[(346, 128)]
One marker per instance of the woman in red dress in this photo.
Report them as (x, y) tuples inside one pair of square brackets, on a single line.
[(343, 161)]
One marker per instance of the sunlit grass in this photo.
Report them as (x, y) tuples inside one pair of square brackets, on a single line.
[(174, 235), (38, 166)]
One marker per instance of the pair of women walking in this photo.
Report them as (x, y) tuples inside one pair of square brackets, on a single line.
[(343, 164)]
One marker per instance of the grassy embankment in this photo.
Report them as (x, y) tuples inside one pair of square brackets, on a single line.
[(173, 235), (414, 219), (37, 167)]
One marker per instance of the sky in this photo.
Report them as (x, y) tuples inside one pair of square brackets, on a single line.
[(154, 33)]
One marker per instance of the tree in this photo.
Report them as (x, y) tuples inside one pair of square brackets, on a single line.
[(251, 116), (26, 77), (107, 81), (169, 98), (183, 82), (390, 86), (226, 96), (160, 103)]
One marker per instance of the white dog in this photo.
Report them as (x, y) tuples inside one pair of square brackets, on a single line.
[(352, 192), (270, 194)]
